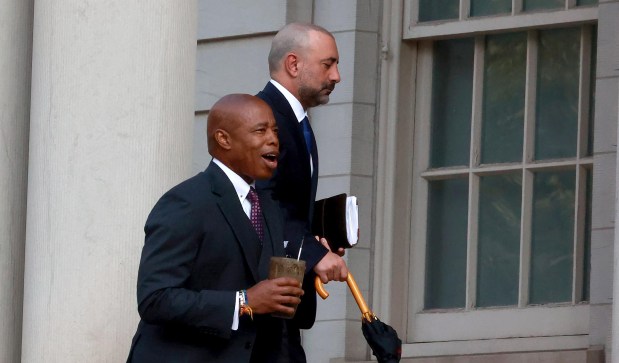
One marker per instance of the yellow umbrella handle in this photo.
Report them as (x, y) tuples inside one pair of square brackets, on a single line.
[(366, 313)]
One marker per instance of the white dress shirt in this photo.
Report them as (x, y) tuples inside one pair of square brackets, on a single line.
[(297, 108), (242, 189)]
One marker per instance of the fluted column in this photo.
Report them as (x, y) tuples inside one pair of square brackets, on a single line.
[(111, 125), (15, 56)]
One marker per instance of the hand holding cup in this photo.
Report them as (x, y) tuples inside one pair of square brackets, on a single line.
[(275, 296), (288, 269)]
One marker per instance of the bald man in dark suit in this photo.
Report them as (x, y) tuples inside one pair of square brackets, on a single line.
[(203, 292), (303, 64)]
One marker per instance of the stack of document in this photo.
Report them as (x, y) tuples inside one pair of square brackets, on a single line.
[(337, 219)]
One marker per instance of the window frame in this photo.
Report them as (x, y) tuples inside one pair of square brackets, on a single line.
[(517, 20), (488, 330)]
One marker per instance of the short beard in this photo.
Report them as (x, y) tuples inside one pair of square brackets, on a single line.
[(312, 97)]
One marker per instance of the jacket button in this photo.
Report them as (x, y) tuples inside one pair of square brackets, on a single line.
[(247, 345)]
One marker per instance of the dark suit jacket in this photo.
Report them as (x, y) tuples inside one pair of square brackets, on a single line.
[(200, 249), (294, 187)]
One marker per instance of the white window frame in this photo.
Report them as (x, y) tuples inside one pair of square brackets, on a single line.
[(472, 331), (517, 20)]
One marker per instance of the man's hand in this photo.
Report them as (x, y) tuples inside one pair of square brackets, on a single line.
[(332, 267), (340, 251), (280, 295)]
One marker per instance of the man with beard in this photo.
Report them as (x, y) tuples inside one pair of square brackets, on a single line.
[(303, 65), (203, 292)]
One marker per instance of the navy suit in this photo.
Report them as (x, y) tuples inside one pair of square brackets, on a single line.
[(294, 187), (201, 248)]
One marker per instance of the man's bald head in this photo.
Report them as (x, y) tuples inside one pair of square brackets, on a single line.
[(242, 134), (225, 114), (293, 37)]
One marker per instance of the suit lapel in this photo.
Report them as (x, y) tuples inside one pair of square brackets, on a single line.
[(272, 244), (294, 152), (281, 105), (232, 211)]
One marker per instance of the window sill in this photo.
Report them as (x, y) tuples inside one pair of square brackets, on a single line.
[(489, 346)]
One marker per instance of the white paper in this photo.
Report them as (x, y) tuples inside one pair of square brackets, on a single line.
[(352, 220)]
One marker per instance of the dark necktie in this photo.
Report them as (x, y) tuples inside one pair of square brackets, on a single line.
[(307, 133), (255, 214)]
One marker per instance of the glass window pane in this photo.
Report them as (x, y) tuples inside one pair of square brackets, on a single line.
[(446, 244), (528, 5), (490, 7), (452, 86), (552, 237), (438, 9), (503, 98), (556, 123), (586, 2), (498, 254), (594, 43)]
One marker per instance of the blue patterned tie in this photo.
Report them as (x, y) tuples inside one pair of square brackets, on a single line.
[(307, 133)]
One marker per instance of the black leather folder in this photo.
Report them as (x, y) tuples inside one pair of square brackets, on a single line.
[(330, 221)]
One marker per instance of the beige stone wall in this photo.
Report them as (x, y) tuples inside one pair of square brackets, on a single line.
[(604, 217)]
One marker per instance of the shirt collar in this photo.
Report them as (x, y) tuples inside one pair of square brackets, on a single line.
[(240, 185), (299, 112)]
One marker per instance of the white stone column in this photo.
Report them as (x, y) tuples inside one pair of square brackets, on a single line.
[(111, 125), (15, 57)]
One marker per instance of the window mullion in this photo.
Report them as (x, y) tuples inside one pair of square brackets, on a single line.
[(525, 237), (465, 9), (473, 212), (516, 7), (472, 236), (581, 172), (477, 99), (570, 4), (527, 175), (530, 98)]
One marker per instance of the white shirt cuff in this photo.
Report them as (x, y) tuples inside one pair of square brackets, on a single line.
[(235, 318)]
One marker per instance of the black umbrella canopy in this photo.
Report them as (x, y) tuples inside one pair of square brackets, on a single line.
[(382, 338)]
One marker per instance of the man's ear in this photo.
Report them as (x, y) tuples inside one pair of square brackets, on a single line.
[(291, 64), (222, 137)]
